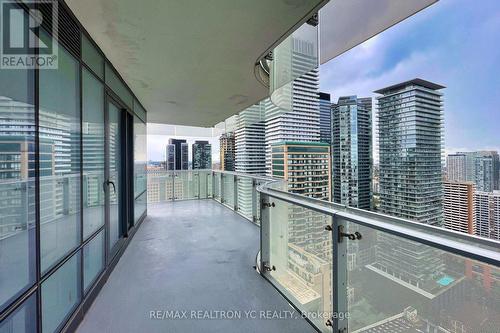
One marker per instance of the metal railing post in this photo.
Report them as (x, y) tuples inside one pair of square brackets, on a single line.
[(173, 186), (221, 187), (235, 193), (265, 219), (199, 186), (212, 174), (339, 256), (255, 204)]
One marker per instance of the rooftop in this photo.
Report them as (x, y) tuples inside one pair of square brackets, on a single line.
[(417, 82)]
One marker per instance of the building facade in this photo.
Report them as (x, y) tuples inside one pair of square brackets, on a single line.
[(72, 170), (325, 118), (202, 155), (170, 157), (177, 154), (352, 152), (486, 171), (250, 145), (305, 166), (459, 206), (294, 115), (250, 140), (456, 167), (488, 214), (227, 151), (410, 117)]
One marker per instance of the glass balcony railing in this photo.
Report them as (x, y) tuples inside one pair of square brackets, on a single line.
[(351, 270), (235, 190)]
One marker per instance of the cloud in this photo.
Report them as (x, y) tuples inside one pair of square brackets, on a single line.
[(434, 45)]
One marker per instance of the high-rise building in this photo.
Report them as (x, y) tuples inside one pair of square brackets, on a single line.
[(486, 171), (410, 117), (300, 120), (352, 152), (325, 118), (482, 168), (459, 206), (250, 154), (456, 167), (177, 154), (305, 166), (470, 165), (488, 214), (202, 155), (250, 140), (227, 151), (170, 156)]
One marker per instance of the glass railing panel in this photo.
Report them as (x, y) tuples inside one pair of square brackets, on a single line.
[(203, 184), (394, 283), (217, 179), (184, 185), (195, 184), (300, 259), (228, 190), (160, 187)]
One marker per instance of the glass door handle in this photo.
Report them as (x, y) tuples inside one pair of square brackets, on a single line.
[(107, 182)]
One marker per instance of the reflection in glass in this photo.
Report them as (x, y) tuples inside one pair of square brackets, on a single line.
[(23, 319), (115, 173), (17, 183), (140, 157), (140, 206), (93, 153), (59, 160), (60, 294), (93, 259), (301, 251), (424, 289)]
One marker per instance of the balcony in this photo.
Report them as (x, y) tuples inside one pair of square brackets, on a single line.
[(193, 255), (338, 267)]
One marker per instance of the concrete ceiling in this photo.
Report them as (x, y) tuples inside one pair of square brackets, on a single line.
[(345, 24), (191, 62)]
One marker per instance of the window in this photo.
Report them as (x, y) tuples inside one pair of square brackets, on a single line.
[(93, 153), (60, 294), (60, 184), (93, 259), (17, 184)]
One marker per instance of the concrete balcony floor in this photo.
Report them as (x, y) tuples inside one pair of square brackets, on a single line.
[(189, 256)]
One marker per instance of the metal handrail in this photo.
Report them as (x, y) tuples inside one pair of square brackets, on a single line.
[(469, 246), (246, 175)]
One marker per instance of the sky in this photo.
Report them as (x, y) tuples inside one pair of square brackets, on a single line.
[(454, 43)]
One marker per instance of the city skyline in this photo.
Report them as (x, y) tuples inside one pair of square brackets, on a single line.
[(434, 45)]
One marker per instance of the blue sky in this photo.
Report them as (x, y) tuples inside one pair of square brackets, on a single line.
[(454, 43)]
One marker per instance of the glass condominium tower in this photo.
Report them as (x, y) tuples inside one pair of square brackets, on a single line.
[(410, 116), (352, 151)]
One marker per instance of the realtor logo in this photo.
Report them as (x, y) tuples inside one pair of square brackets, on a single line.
[(25, 39)]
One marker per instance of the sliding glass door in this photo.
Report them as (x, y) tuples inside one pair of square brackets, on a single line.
[(116, 160)]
